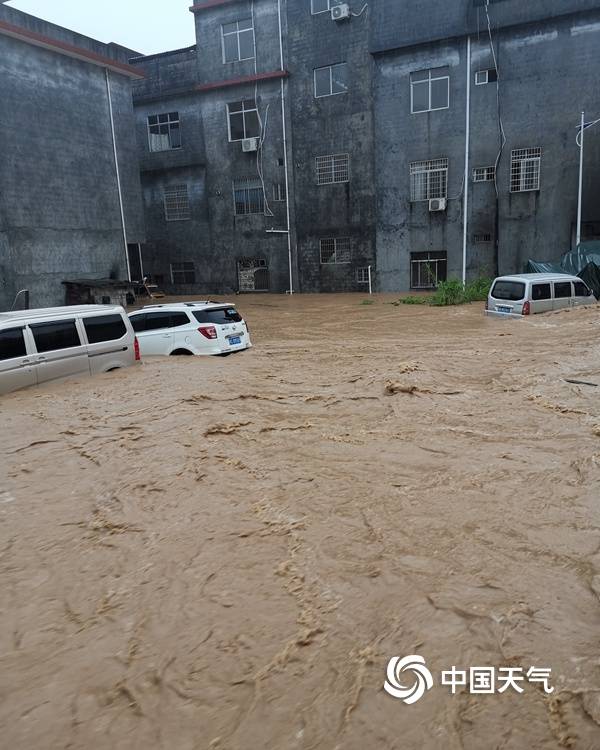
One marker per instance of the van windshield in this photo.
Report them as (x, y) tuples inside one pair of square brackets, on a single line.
[(510, 290)]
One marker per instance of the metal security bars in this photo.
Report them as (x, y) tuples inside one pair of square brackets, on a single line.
[(183, 273), (525, 166), (248, 197), (427, 269), (331, 169), (238, 41), (335, 250), (164, 132), (428, 179), (484, 174), (177, 203), (243, 120)]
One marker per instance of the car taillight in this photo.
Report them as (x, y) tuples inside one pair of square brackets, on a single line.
[(526, 308), (136, 349), (209, 332)]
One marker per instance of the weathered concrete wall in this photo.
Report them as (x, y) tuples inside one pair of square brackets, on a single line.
[(59, 211), (547, 76), (326, 126)]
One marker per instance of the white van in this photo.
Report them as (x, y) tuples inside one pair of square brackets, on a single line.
[(37, 346), (530, 293)]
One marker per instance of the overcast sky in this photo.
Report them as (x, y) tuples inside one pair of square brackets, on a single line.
[(146, 26)]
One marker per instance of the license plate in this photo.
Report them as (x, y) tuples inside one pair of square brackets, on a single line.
[(504, 309), (233, 340)]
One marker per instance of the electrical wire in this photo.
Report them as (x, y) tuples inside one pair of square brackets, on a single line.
[(585, 127), (500, 123), (361, 11)]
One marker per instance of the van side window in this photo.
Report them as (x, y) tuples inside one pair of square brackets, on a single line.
[(104, 328), (12, 343), (59, 334), (581, 289), (541, 291), (562, 289)]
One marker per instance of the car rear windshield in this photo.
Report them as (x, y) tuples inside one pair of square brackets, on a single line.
[(510, 290), (218, 315)]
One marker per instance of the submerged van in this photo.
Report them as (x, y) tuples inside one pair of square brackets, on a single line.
[(38, 346), (531, 293)]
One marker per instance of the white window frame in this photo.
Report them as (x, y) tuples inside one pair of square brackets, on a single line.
[(279, 192), (332, 169), (482, 77), (484, 174), (362, 275), (331, 4), (168, 124), (429, 168), (429, 80), (180, 197), (520, 159), (237, 33), (331, 91), (345, 251), (242, 112)]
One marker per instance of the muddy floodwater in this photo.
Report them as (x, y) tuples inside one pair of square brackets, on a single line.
[(224, 553)]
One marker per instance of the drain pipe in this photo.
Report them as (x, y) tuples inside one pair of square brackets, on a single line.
[(285, 151), (114, 142), (466, 178)]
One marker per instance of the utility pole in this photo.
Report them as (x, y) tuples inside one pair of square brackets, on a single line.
[(580, 196)]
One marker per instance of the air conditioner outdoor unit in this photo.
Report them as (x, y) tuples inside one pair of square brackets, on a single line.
[(340, 12), (249, 145), (437, 204)]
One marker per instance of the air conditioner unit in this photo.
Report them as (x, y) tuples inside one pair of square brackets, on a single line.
[(340, 12), (437, 204), (249, 145)]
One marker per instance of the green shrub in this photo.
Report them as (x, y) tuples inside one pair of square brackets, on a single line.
[(451, 292)]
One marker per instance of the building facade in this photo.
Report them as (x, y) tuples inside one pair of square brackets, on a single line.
[(60, 212), (304, 145), (504, 84)]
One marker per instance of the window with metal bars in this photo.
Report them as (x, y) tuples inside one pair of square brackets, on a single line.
[(525, 166), (248, 197), (335, 250), (428, 179), (183, 273), (243, 120), (164, 132), (331, 169), (484, 174), (482, 237), (427, 269), (177, 203), (238, 41)]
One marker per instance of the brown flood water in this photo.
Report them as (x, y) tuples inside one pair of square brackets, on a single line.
[(225, 553)]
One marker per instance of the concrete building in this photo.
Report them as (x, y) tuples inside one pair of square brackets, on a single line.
[(60, 213), (509, 96), (288, 149)]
